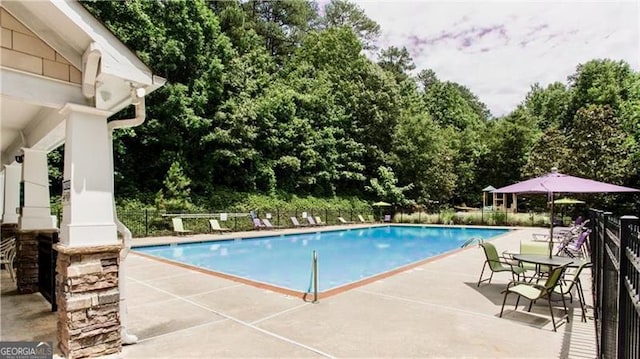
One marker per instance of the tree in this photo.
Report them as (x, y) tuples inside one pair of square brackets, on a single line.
[(397, 61), (339, 13), (603, 154), (550, 150), (385, 187), (509, 143), (423, 157), (549, 106), (176, 193), (427, 78), (282, 24)]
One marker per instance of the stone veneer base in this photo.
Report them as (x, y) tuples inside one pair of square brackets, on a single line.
[(88, 301)]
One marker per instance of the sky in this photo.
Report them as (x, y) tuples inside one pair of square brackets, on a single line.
[(498, 49)]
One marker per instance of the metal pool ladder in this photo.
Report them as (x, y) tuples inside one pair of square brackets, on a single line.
[(313, 284), (469, 241)]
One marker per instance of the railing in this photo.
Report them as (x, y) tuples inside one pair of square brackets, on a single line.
[(313, 285), (615, 250), (149, 222)]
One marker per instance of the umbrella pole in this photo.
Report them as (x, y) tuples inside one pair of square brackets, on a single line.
[(551, 230)]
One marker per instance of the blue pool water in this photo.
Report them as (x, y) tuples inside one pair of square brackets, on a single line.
[(343, 256)]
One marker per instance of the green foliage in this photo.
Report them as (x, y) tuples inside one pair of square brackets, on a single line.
[(340, 13), (176, 193), (386, 189), (397, 61), (276, 100)]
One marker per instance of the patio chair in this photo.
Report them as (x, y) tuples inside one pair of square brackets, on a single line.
[(387, 218), (268, 225), (319, 221), (361, 219), (178, 227), (497, 264), (534, 247), (258, 224), (8, 256), (534, 291), (343, 221), (215, 226), (570, 283)]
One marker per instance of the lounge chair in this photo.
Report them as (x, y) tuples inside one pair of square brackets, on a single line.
[(268, 225), (534, 291), (575, 248), (343, 221), (361, 219), (258, 224), (294, 221), (178, 228), (8, 256), (563, 234), (312, 222), (319, 221), (497, 264), (215, 226)]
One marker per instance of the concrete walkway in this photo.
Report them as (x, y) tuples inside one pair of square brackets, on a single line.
[(433, 310)]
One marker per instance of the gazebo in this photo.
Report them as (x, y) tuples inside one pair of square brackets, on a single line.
[(63, 75)]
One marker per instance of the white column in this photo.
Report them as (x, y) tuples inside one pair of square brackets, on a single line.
[(36, 210), (87, 188), (1, 193), (12, 178)]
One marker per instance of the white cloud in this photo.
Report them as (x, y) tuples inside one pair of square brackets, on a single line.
[(500, 48)]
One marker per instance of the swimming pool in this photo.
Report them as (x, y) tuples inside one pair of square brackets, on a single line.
[(344, 256)]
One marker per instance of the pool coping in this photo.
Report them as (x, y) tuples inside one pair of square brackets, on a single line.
[(333, 291)]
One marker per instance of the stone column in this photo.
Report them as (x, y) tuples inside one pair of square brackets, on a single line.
[(88, 301), (88, 252)]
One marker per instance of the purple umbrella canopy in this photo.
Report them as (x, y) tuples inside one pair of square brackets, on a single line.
[(555, 182)]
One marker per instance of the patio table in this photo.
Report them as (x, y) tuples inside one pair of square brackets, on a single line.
[(541, 260)]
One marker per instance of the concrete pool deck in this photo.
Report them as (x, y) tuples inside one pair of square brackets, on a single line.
[(433, 310)]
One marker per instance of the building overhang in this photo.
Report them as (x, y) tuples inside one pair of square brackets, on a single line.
[(31, 102)]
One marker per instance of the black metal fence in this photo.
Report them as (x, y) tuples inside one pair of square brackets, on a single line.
[(615, 249), (149, 222)]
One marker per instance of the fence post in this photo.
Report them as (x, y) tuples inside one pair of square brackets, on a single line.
[(146, 222), (624, 309)]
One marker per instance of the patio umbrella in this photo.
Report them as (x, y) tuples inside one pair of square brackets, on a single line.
[(379, 205), (555, 182), (566, 201)]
